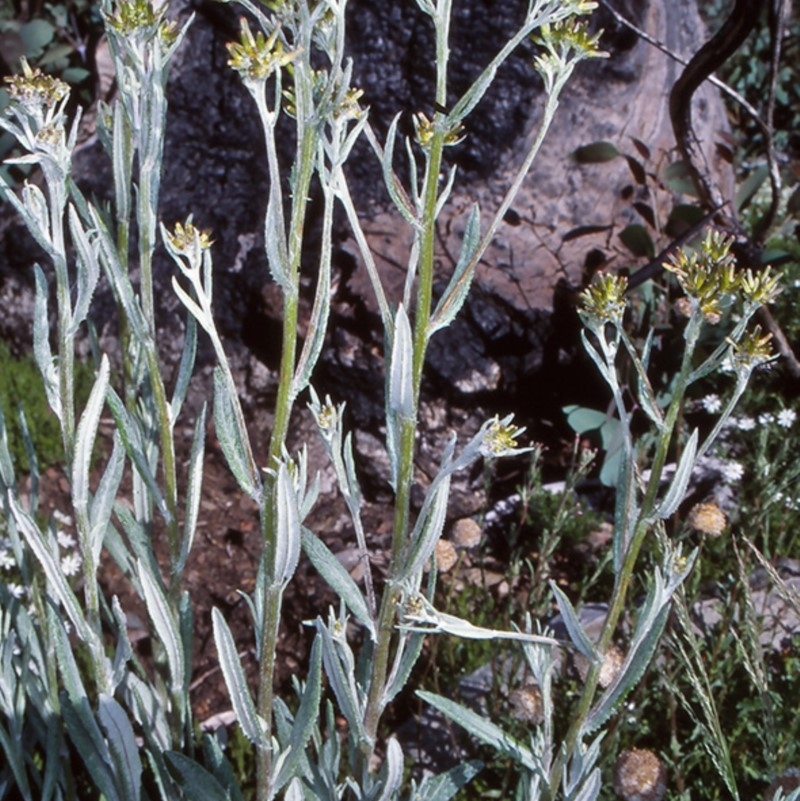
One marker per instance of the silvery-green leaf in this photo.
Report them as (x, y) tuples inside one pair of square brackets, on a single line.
[(455, 294), (7, 476), (41, 342), (398, 197), (215, 760), (408, 650), (118, 278), (15, 759), (320, 311), (128, 428), (193, 489), (445, 785), (243, 706), (597, 358), (342, 682), (80, 723), (55, 575), (428, 527), (148, 710), (195, 781), (192, 306), (636, 662), (305, 720), (164, 624), (124, 650), (401, 382), (231, 438), (680, 481), (88, 271), (626, 512), (590, 789), (575, 630), (184, 369), (445, 193), (332, 570), (287, 529), (275, 239), (29, 215), (122, 158), (486, 731), (294, 792), (121, 746), (84, 441), (394, 770), (102, 504)]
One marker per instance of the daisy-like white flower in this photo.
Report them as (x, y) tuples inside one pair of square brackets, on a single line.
[(65, 539), (786, 418), (745, 423), (765, 418), (17, 590), (71, 564), (711, 403), (62, 518), (6, 560), (732, 471)]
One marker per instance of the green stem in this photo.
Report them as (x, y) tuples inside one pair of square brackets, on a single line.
[(283, 410), (625, 576)]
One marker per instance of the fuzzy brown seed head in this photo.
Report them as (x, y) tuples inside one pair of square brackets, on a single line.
[(612, 664), (707, 518), (640, 775), (446, 556), (528, 705)]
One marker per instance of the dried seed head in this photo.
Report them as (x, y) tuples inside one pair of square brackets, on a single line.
[(640, 775), (609, 670), (446, 556), (528, 705), (466, 533), (707, 518)]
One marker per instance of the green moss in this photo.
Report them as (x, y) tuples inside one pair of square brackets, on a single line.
[(21, 387)]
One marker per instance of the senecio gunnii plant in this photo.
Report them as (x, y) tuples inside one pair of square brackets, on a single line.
[(80, 713)]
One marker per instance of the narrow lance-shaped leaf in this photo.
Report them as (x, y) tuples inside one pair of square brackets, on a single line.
[(575, 630), (486, 731), (128, 428), (243, 706), (102, 503), (164, 623), (320, 311), (231, 438), (78, 718), (41, 342), (287, 529), (55, 575), (398, 197), (394, 770), (305, 720), (122, 746), (458, 287), (401, 383), (341, 680), (677, 489), (184, 368), (195, 781), (84, 443), (88, 271), (445, 785), (334, 573), (193, 489)]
